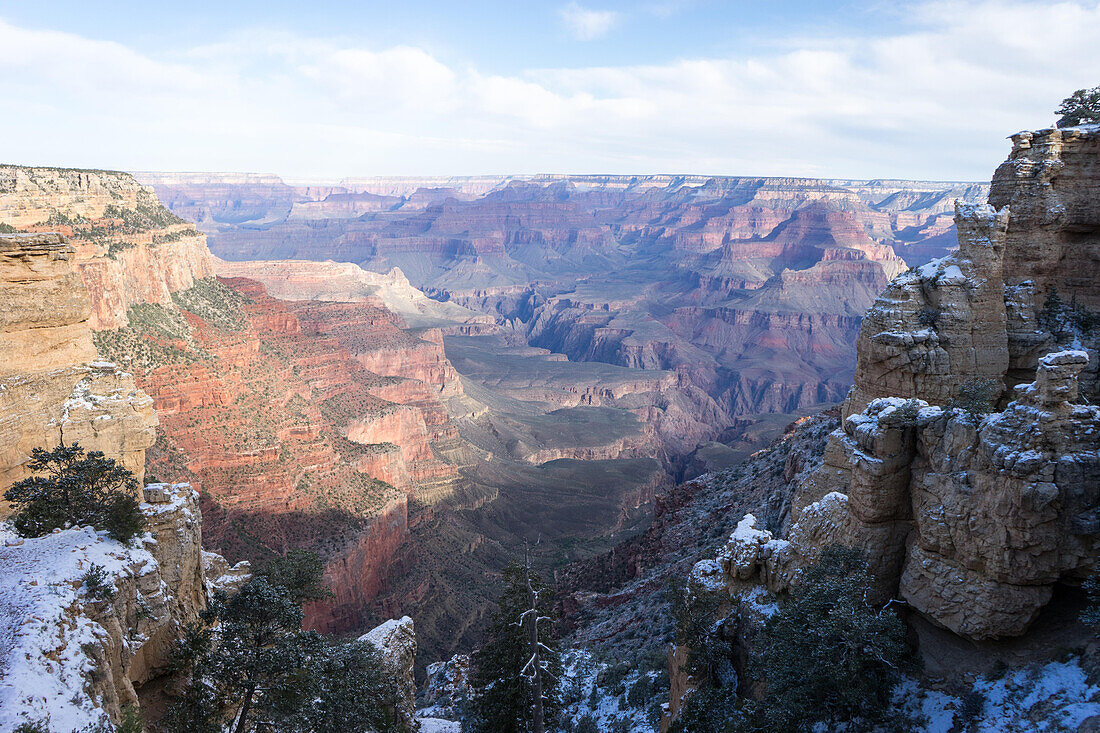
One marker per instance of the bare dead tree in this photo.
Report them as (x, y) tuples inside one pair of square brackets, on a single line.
[(536, 666)]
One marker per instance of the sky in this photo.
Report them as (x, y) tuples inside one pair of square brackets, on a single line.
[(318, 91)]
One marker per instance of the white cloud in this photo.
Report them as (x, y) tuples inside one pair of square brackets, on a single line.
[(587, 25), (936, 101)]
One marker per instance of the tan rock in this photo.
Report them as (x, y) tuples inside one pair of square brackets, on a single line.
[(396, 641), (51, 387)]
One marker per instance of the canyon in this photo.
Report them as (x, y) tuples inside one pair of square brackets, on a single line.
[(748, 290), (964, 464)]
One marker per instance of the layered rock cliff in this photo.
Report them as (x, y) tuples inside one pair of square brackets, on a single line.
[(53, 387), (128, 248)]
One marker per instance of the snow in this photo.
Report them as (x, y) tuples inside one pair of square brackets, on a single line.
[(581, 669), (438, 725), (708, 576), (43, 667), (1051, 697)]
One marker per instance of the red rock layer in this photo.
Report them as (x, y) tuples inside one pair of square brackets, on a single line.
[(293, 442)]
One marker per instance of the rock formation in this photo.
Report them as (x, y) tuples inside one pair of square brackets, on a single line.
[(396, 642), (53, 388), (128, 248), (718, 279), (79, 659), (971, 514)]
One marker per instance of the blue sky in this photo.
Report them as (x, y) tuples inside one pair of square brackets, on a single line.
[(921, 89)]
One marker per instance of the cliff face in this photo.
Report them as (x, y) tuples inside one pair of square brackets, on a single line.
[(52, 386), (267, 408), (128, 248), (971, 515), (77, 659)]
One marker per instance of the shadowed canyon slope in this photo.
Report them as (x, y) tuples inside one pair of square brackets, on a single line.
[(748, 290)]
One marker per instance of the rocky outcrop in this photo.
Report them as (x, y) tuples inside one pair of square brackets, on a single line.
[(940, 325), (971, 515), (1051, 183), (78, 657), (127, 247), (396, 642), (53, 388)]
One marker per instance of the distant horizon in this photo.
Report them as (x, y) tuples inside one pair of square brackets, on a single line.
[(852, 89), (295, 181)]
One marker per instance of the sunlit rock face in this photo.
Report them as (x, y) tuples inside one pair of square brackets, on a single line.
[(53, 388)]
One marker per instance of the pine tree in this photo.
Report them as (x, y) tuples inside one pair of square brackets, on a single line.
[(300, 572), (252, 667), (1083, 106), (516, 671), (72, 488)]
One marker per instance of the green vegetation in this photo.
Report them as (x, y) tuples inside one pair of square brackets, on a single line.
[(975, 396), (828, 660), (905, 415), (70, 489), (219, 305), (253, 668), (97, 584), (1081, 107), (6, 228), (299, 572), (504, 674), (1091, 613), (1065, 320)]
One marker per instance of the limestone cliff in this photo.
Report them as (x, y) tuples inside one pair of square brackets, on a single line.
[(971, 515), (53, 388), (127, 247)]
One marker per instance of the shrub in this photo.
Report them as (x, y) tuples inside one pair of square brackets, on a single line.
[(33, 726), (971, 707), (300, 573), (640, 692), (1091, 613), (97, 583), (587, 724), (1081, 107), (71, 488), (928, 316), (975, 396), (904, 416), (132, 720), (828, 656), (1066, 320)]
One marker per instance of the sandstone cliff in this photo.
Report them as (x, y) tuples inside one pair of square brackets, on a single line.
[(128, 248), (53, 388)]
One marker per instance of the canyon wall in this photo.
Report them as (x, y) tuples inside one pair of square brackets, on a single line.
[(53, 387), (751, 289), (128, 248)]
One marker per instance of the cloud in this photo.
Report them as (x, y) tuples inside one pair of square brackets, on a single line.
[(933, 101), (587, 25)]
